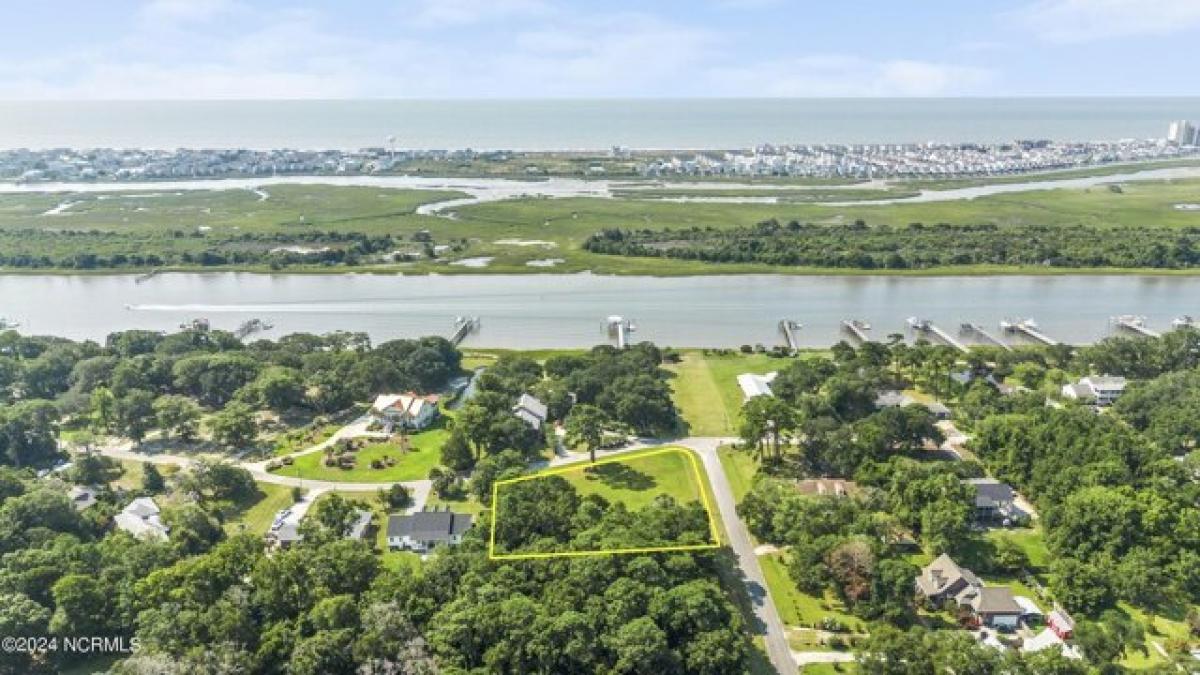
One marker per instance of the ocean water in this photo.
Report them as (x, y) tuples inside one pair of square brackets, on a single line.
[(578, 124)]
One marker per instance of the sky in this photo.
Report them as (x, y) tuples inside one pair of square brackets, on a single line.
[(312, 49)]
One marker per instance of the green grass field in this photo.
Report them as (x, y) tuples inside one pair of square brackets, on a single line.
[(706, 391), (739, 468), (256, 517), (638, 479), (797, 608), (423, 454), (172, 223)]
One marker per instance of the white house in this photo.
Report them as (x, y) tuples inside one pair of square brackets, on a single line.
[(756, 385), (1102, 390), (141, 519), (531, 411), (409, 410), (424, 530)]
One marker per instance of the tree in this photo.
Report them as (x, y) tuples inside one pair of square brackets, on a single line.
[(585, 426), (193, 531), (135, 414), (333, 514), (177, 414), (766, 417), (395, 497), (1109, 639), (82, 606), (93, 469), (221, 481), (28, 433), (507, 464), (235, 426), (327, 652), (152, 478), (278, 388), (456, 452), (103, 406)]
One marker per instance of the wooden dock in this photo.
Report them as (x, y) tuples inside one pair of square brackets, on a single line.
[(858, 329), (1029, 328), (463, 326), (976, 329), (928, 326), (789, 328), (1135, 324)]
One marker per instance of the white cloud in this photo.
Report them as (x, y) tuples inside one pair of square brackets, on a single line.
[(844, 75), (206, 49), (1072, 21), (184, 11), (439, 13)]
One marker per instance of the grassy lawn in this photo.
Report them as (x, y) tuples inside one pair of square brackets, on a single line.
[(637, 479), (299, 439), (829, 668), (468, 505), (1030, 541), (423, 454), (739, 469), (797, 608), (257, 516), (706, 390)]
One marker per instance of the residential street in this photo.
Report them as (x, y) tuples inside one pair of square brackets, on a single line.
[(771, 626)]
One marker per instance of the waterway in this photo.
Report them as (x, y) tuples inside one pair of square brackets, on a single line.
[(560, 310)]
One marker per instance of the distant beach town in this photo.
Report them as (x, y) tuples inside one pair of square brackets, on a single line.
[(827, 161)]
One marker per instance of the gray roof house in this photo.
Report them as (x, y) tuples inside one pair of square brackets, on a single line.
[(82, 497), (993, 499), (532, 411), (994, 606), (943, 579), (285, 529), (424, 530)]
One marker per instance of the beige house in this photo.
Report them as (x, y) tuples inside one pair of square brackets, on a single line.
[(408, 410)]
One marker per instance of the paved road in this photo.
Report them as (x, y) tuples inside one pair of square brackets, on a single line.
[(770, 625), (419, 489)]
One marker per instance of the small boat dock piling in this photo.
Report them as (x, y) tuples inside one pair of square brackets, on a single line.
[(1029, 328), (858, 329), (250, 327), (1135, 324), (463, 326), (977, 330), (929, 327), (789, 328), (620, 328)]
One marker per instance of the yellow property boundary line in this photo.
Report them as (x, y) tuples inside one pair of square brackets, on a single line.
[(700, 483)]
